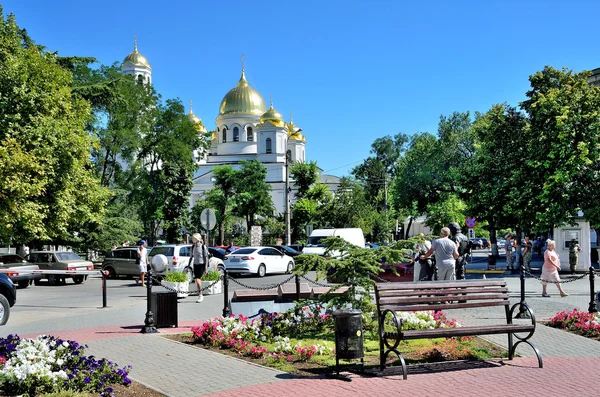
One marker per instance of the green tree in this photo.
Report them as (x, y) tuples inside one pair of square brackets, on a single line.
[(449, 209), (47, 187), (252, 193), (225, 178)]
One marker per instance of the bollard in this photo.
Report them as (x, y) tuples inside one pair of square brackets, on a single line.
[(297, 288), (149, 325), (592, 308), (226, 311), (104, 289), (522, 312)]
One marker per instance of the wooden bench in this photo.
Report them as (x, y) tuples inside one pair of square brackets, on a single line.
[(443, 296)]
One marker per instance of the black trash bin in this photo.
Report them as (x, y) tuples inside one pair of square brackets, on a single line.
[(348, 336), (491, 262), (164, 309)]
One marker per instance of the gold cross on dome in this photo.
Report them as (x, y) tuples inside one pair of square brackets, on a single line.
[(243, 59), (190, 106)]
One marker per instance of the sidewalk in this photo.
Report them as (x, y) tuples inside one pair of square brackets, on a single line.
[(571, 362)]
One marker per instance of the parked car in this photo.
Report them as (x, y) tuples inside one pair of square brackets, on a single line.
[(121, 262), (8, 297), (178, 256), (59, 260), (477, 243), (259, 261), (14, 263), (286, 249), (297, 247)]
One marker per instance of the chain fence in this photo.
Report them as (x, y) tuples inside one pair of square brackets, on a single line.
[(263, 288), (570, 280), (157, 282)]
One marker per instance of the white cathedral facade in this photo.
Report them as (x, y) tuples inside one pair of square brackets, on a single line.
[(245, 130)]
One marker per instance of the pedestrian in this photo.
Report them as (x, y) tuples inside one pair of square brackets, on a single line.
[(142, 261), (230, 247), (126, 243), (423, 270), (446, 253), (25, 250), (527, 254), (574, 250), (114, 246), (200, 262), (509, 250), (550, 269), (462, 242)]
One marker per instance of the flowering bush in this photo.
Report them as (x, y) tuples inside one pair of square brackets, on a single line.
[(426, 320), (583, 323), (48, 364)]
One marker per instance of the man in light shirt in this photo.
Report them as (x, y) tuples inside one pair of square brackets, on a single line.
[(446, 253)]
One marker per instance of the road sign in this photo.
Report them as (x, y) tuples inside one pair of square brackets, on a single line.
[(471, 232), (470, 221), (208, 219)]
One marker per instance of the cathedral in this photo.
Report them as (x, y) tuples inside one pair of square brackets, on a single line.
[(245, 130)]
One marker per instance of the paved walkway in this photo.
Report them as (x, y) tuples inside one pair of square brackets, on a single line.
[(571, 362)]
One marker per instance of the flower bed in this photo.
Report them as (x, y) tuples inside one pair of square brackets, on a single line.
[(48, 364), (582, 323)]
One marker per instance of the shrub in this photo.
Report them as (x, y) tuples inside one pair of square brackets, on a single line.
[(583, 323), (211, 275), (175, 277)]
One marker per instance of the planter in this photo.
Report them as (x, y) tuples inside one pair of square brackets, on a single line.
[(181, 288), (215, 289)]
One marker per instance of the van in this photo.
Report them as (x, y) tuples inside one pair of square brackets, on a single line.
[(314, 244)]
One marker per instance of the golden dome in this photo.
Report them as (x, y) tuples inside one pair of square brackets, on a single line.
[(272, 116), (195, 120), (243, 99), (295, 132), (136, 58)]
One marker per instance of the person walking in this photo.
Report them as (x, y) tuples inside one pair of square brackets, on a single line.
[(527, 254), (200, 260), (423, 270), (550, 269), (574, 250), (142, 261), (462, 242), (446, 254)]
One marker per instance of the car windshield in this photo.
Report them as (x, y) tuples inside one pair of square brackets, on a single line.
[(10, 259), (218, 251), (244, 251), (68, 256), (315, 241)]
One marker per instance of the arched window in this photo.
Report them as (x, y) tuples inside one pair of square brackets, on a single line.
[(269, 148), (250, 135), (140, 79), (236, 134), (224, 135)]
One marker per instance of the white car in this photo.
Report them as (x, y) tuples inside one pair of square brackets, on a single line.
[(259, 261), (178, 257)]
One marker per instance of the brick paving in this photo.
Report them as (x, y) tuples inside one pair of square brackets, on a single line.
[(571, 362)]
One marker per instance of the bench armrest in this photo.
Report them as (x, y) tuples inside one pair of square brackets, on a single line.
[(526, 306), (395, 319)]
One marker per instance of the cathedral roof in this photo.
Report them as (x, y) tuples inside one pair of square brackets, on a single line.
[(272, 116), (137, 59), (243, 99)]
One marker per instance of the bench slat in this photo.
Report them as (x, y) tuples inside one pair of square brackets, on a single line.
[(438, 284), (442, 306), (448, 291), (445, 298), (467, 331)]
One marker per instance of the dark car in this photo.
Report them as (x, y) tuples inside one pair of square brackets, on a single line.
[(476, 243), (297, 247), (14, 263), (217, 252), (8, 297), (286, 249)]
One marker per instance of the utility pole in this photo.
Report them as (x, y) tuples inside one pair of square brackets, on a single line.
[(288, 237)]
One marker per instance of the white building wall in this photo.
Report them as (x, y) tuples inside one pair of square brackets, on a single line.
[(563, 235)]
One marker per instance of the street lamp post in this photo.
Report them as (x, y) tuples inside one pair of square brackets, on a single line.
[(149, 326), (288, 238)]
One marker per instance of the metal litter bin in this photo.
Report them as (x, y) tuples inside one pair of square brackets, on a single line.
[(164, 308), (348, 336), (491, 262)]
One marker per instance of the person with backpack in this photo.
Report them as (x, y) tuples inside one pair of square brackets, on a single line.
[(200, 262), (464, 249)]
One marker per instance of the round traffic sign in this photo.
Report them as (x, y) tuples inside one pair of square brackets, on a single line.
[(208, 219), (470, 221)]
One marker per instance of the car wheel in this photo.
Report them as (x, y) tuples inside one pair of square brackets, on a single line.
[(290, 267), (23, 284), (262, 270), (53, 279), (111, 272), (4, 310), (189, 274), (78, 279)]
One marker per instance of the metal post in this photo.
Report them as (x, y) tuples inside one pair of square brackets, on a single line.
[(288, 237), (103, 289), (297, 288), (226, 311), (149, 327), (522, 312), (592, 308)]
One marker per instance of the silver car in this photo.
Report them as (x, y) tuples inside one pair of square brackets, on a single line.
[(62, 261)]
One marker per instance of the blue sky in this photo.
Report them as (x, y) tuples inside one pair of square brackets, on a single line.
[(350, 71)]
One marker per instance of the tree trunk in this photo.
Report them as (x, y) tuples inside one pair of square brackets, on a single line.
[(494, 242), (410, 220)]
